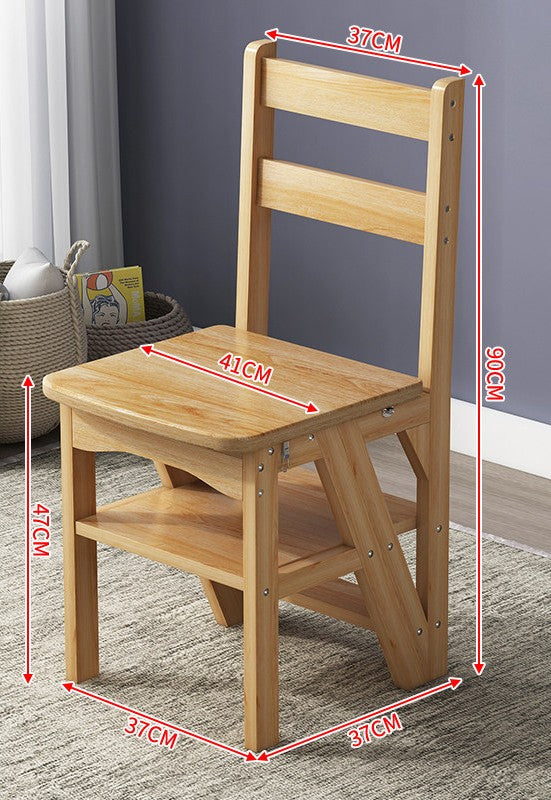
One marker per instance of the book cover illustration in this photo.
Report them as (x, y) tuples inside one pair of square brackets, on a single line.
[(112, 297)]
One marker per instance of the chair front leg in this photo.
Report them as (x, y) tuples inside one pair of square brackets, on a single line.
[(260, 575), (79, 557)]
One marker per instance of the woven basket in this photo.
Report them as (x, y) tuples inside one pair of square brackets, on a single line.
[(37, 336), (164, 318)]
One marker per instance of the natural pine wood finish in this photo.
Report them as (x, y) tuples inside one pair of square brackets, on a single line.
[(253, 247), (346, 97), (385, 581), (342, 199), (196, 529), (191, 407), (225, 601), (435, 358), (260, 601), (232, 508), (339, 599), (78, 482)]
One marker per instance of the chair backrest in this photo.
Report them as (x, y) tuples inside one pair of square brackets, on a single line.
[(427, 218)]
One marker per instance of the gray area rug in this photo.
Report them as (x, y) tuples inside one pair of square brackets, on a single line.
[(163, 654)]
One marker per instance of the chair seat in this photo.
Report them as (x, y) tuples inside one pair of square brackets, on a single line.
[(159, 395)]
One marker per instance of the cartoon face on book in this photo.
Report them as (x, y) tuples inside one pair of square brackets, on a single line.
[(112, 297)]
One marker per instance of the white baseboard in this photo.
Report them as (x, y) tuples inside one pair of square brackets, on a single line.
[(509, 440)]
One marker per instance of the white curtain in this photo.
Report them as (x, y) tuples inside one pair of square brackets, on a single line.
[(59, 142)]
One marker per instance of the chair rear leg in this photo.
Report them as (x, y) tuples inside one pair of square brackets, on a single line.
[(433, 545), (79, 557)]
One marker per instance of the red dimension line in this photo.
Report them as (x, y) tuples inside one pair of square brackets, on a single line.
[(27, 385), (274, 34), (70, 687), (310, 408), (452, 683), (478, 665)]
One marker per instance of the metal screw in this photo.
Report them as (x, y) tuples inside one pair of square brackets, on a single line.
[(266, 592), (447, 209), (389, 546), (270, 451), (388, 411), (438, 529), (311, 437), (451, 137), (437, 624), (452, 103), (261, 467), (446, 240), (419, 631), (260, 492), (370, 553)]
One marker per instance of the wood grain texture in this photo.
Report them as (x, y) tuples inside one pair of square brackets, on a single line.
[(346, 97), (253, 249), (435, 357), (339, 599), (385, 580), (260, 602), (342, 200), (78, 479), (201, 531), (93, 432), (159, 396), (226, 602)]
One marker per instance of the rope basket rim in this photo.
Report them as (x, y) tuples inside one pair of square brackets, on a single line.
[(175, 308)]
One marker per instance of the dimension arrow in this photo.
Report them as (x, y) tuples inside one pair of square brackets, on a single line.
[(478, 665), (27, 385), (275, 33), (309, 408), (70, 687), (451, 683)]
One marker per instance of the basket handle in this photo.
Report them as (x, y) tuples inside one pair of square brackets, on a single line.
[(74, 255)]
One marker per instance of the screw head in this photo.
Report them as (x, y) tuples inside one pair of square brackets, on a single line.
[(446, 240), (311, 437), (260, 492), (261, 467), (389, 546), (266, 592), (419, 631), (370, 553), (438, 529), (270, 451), (437, 624), (451, 137)]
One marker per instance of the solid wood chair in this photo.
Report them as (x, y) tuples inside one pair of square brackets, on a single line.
[(233, 509)]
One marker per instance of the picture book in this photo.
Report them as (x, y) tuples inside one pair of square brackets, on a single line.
[(112, 297)]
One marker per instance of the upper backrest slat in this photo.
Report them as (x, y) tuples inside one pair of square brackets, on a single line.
[(346, 97)]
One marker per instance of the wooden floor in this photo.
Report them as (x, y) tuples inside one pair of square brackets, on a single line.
[(517, 505)]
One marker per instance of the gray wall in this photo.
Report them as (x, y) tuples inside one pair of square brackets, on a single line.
[(180, 64)]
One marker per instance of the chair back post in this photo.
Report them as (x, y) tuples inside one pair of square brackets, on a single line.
[(440, 245), (253, 249)]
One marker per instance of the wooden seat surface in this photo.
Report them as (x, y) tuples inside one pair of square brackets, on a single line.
[(159, 395)]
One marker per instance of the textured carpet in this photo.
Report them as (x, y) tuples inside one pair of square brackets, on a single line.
[(162, 653)]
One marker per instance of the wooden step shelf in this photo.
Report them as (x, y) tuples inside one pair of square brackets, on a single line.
[(199, 530)]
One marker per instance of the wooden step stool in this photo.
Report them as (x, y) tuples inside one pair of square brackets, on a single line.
[(233, 509)]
